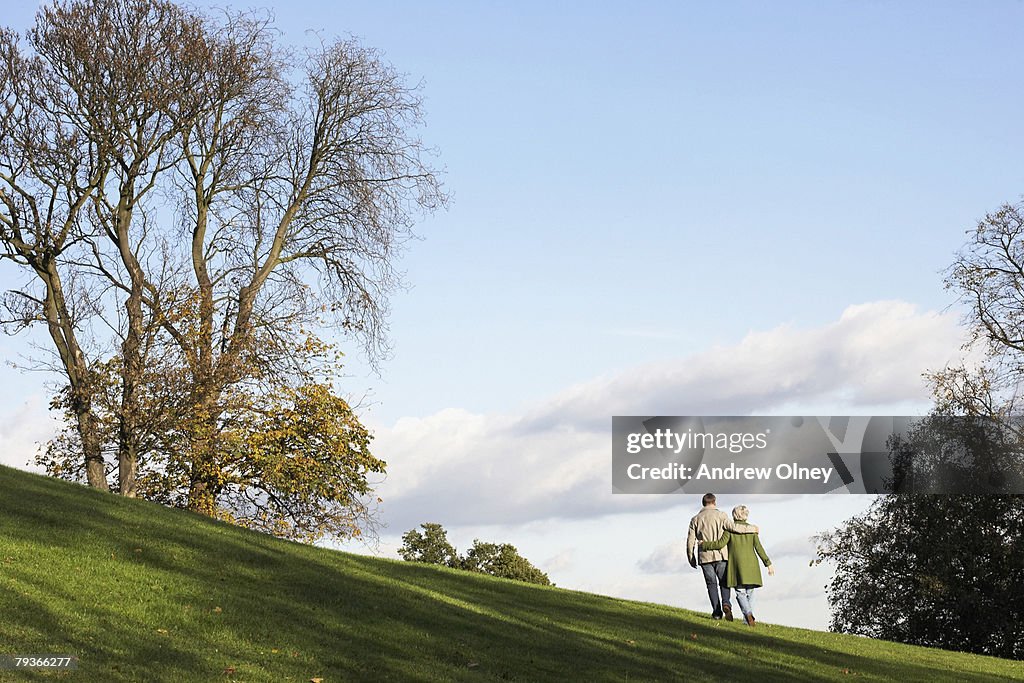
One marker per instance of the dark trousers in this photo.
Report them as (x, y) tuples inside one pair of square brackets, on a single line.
[(714, 577)]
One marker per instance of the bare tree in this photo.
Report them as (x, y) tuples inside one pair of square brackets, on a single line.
[(988, 276), (299, 195), (125, 67), (49, 172), (245, 196)]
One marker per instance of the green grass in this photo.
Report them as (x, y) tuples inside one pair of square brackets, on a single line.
[(142, 593)]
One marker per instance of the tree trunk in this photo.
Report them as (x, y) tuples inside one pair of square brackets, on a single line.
[(201, 497), (95, 469), (127, 469), (133, 366), (127, 436), (204, 484), (62, 331)]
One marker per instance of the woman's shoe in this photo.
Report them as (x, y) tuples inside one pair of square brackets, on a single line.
[(750, 619)]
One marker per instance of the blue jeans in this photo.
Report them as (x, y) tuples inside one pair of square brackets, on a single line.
[(745, 596), (714, 577)]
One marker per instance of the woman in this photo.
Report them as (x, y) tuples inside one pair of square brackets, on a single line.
[(742, 572)]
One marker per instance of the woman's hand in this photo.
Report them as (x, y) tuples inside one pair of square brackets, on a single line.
[(771, 570)]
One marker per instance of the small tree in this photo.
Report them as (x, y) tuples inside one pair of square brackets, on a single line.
[(431, 546), (294, 459), (504, 561), (501, 560)]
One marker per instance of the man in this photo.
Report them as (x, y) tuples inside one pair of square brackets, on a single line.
[(708, 525)]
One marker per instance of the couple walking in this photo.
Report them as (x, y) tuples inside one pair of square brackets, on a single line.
[(728, 552)]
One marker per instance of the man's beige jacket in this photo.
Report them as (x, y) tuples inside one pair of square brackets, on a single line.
[(708, 525)]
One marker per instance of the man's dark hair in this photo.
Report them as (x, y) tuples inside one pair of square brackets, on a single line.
[(708, 499)]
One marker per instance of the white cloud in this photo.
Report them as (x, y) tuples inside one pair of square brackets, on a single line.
[(873, 355), (796, 547), (23, 431), (666, 559), (458, 467), (563, 561)]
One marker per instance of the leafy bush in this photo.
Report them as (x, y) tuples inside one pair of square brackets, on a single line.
[(497, 559)]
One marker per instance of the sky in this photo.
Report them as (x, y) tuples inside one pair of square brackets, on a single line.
[(664, 209)]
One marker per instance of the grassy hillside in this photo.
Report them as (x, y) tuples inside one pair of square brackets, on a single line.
[(142, 593)]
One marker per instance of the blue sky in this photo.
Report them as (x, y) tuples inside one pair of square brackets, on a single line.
[(661, 208), (634, 182)]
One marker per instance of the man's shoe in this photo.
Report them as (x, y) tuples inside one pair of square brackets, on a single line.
[(728, 612), (750, 620), (716, 615)]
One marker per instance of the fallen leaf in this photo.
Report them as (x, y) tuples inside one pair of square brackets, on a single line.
[(229, 670), (316, 680), (472, 665), (217, 610), (162, 631), (138, 550), (631, 642), (274, 650), (693, 636)]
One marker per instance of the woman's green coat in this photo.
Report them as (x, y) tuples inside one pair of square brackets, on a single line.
[(742, 569)]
